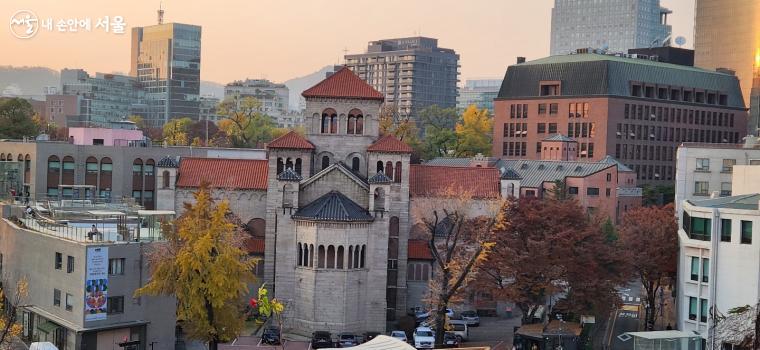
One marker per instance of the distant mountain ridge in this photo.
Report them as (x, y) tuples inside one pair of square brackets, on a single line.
[(297, 85)]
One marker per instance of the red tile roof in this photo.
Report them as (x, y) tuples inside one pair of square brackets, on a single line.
[(291, 140), (254, 245), (244, 174), (343, 84), (419, 249), (390, 144), (428, 180)]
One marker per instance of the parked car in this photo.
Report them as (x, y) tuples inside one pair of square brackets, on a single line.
[(424, 338), (271, 336), (460, 329), (422, 315), (471, 317), (321, 339), (400, 335), (347, 340), (450, 340), (369, 336)]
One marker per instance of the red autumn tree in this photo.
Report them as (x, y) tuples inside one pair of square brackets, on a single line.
[(549, 248), (649, 239)]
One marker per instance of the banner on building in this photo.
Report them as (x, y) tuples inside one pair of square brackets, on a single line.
[(96, 284)]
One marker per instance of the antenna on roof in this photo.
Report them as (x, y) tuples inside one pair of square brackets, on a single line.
[(161, 12)]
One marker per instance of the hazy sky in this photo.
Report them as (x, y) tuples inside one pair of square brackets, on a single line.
[(282, 39)]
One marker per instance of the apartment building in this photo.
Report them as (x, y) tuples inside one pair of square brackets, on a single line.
[(634, 109)]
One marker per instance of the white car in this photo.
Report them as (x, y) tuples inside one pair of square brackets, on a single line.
[(424, 338), (471, 317), (460, 329), (400, 335)]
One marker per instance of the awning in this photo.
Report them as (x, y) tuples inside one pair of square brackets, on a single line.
[(48, 327)]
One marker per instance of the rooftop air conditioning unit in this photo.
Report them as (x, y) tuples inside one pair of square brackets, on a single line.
[(651, 136), (652, 116), (632, 135), (618, 133)]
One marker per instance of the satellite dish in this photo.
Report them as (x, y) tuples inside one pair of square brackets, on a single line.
[(680, 41)]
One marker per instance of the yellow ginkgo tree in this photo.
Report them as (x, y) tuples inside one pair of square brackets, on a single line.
[(474, 132), (203, 266)]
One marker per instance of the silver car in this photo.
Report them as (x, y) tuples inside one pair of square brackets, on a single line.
[(471, 318)]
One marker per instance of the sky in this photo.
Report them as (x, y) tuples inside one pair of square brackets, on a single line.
[(283, 39)]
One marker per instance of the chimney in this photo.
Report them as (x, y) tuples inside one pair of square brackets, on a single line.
[(520, 59)]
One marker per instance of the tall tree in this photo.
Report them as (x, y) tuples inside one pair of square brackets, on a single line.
[(547, 248), (649, 238), (460, 235), (176, 132), (474, 132), (438, 127), (438, 118), (10, 329), (17, 119), (203, 266), (244, 123)]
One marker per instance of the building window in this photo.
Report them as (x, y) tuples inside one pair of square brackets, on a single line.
[(552, 128), (530, 193), (703, 164), (115, 305), (701, 188), (573, 190), (725, 189), (703, 312), (705, 270), (69, 302), (541, 128), (56, 297), (725, 230), (553, 108), (549, 89), (116, 266), (592, 191), (609, 177), (58, 261), (69, 264), (746, 232), (693, 308), (700, 229), (325, 162), (694, 268), (608, 192), (355, 164), (728, 165), (542, 108)]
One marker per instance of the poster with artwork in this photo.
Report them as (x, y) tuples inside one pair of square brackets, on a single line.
[(96, 284)]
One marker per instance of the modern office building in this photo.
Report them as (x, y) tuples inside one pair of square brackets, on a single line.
[(612, 25), (411, 73), (81, 288), (166, 59), (727, 35), (273, 97), (705, 170), (208, 105), (478, 92), (718, 258), (59, 109), (104, 98), (636, 110)]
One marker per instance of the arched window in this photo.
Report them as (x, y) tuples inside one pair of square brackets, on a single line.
[(339, 262), (355, 164), (91, 165), (289, 164), (393, 227), (325, 162), (397, 175), (389, 169), (330, 257), (280, 166), (356, 256), (511, 190), (351, 125), (165, 178), (54, 164), (379, 199), (287, 196), (298, 166), (350, 257), (361, 261), (359, 125), (321, 257), (2, 157), (334, 124), (106, 165), (379, 166), (137, 167), (306, 257), (311, 255), (300, 255), (325, 123)]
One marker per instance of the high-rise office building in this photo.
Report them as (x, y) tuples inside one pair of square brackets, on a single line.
[(272, 96), (727, 35), (616, 25), (166, 59), (412, 73), (104, 98), (478, 92)]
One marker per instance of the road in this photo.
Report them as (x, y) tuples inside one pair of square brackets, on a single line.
[(625, 319)]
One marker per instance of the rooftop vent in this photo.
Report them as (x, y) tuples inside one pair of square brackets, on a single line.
[(560, 168), (578, 169)]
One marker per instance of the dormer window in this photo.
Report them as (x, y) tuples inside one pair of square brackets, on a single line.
[(550, 88)]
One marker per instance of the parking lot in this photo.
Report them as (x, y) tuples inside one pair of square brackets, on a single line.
[(494, 332)]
